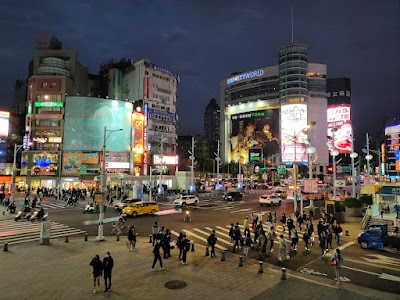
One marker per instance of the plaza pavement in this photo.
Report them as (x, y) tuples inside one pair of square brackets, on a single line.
[(61, 271)]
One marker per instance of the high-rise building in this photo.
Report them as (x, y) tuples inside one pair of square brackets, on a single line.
[(266, 110), (212, 125), (391, 148)]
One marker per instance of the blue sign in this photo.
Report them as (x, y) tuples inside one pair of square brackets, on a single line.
[(247, 75)]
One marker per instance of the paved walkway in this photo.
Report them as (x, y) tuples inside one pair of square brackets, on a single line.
[(62, 271)]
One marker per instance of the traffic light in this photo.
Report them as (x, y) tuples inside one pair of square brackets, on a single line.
[(330, 169), (297, 198)]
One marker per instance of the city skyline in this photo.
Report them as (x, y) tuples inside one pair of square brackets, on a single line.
[(345, 36)]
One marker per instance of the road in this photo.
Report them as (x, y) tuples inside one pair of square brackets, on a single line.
[(370, 268)]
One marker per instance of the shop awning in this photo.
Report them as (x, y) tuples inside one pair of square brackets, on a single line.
[(369, 189), (389, 190)]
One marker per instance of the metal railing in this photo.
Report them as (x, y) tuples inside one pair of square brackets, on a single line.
[(364, 221)]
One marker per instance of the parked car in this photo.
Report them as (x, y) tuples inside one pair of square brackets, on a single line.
[(124, 203), (263, 186), (280, 193), (141, 208), (186, 200), (376, 236), (269, 200), (233, 196)]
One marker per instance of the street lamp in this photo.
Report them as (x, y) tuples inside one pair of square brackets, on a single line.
[(333, 153), (16, 149), (310, 151), (353, 155), (100, 235)]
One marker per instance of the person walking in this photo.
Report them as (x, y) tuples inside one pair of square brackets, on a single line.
[(132, 238), (108, 264), (337, 263), (329, 237), (212, 240), (337, 229), (97, 272), (295, 239), (262, 239), (246, 223), (179, 244), (247, 244), (322, 243), (236, 237), (271, 237), (157, 255), (166, 244), (186, 248), (231, 234), (155, 229), (282, 249)]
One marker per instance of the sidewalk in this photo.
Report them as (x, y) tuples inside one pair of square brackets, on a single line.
[(62, 271)]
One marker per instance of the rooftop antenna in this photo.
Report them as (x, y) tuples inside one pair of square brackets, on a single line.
[(291, 11)]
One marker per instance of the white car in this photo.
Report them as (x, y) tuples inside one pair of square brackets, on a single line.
[(186, 200), (269, 200)]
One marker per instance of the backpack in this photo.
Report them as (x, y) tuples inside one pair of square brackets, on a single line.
[(187, 245)]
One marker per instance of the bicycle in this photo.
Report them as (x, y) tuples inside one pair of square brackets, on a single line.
[(123, 229)]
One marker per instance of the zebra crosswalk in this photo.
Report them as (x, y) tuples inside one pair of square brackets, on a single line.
[(12, 232), (54, 205), (200, 235)]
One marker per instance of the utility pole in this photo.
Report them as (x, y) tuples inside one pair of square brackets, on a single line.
[(368, 158)]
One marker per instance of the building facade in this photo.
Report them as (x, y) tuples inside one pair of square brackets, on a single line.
[(212, 125)]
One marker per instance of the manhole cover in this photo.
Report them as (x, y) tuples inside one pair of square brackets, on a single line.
[(175, 285)]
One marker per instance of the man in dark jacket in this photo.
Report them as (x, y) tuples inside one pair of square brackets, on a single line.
[(186, 248), (157, 256), (97, 271), (108, 264), (236, 237), (212, 240)]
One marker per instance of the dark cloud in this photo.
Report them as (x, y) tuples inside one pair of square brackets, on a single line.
[(204, 41)]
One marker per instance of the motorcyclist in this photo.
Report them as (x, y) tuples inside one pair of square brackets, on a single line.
[(187, 218), (41, 213), (89, 207), (121, 221), (12, 207)]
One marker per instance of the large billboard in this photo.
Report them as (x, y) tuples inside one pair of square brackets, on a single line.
[(339, 117), (75, 163), (4, 127), (293, 122), (85, 119), (254, 129)]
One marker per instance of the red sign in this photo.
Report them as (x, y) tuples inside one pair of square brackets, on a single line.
[(36, 170)]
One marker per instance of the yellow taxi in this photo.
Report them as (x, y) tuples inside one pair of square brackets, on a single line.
[(141, 208), (124, 203)]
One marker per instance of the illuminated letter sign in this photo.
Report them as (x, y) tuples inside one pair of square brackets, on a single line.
[(247, 75), (48, 104)]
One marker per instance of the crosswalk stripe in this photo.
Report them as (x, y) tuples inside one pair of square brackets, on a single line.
[(219, 233), (190, 234), (240, 210), (224, 208), (219, 239), (222, 228)]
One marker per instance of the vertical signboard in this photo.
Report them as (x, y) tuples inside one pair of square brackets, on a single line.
[(339, 117), (146, 87), (254, 129), (293, 122), (4, 127)]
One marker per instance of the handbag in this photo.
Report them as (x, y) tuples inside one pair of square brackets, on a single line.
[(334, 262)]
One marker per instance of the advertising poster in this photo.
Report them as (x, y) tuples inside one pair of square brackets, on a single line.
[(138, 133), (293, 122), (73, 161), (339, 116), (393, 133), (4, 127), (397, 158), (254, 129), (85, 119), (255, 155)]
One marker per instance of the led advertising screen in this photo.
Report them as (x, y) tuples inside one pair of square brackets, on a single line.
[(74, 163), (339, 117), (393, 133), (293, 122), (85, 119), (138, 133), (397, 158), (254, 129), (4, 127)]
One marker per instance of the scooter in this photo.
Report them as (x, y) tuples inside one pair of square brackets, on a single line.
[(187, 218), (22, 215), (38, 215), (88, 209)]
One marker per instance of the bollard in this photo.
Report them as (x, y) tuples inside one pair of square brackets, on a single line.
[(5, 246), (86, 237), (192, 247), (117, 236), (347, 232), (66, 238), (240, 261), (283, 274), (261, 268), (151, 238), (4, 213), (223, 256), (207, 252)]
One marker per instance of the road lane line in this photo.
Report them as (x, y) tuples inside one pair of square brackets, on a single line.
[(371, 264)]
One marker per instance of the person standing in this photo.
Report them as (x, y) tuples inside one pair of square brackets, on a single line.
[(329, 237), (247, 244), (338, 233), (157, 256), (262, 239), (294, 237), (322, 243), (97, 272), (231, 233), (108, 264), (186, 248), (282, 248), (132, 238), (212, 240), (166, 242), (271, 237), (306, 238), (155, 229), (337, 263), (236, 237), (179, 244)]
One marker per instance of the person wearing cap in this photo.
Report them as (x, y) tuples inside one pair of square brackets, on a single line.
[(108, 264)]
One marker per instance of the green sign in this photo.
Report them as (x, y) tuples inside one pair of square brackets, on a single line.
[(48, 104), (346, 169), (282, 169)]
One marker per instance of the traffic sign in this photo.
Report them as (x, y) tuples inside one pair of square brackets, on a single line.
[(282, 169), (340, 183)]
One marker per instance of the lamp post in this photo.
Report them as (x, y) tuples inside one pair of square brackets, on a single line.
[(353, 155), (333, 153), (100, 236), (310, 151), (368, 157), (16, 149), (379, 154)]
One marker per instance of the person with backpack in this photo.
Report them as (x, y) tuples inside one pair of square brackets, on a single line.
[(337, 263), (236, 237), (231, 233), (247, 244), (186, 248), (283, 221), (294, 237), (337, 230), (212, 240)]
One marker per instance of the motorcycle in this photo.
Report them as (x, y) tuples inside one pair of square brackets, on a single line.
[(38, 215), (88, 209), (186, 217), (22, 215)]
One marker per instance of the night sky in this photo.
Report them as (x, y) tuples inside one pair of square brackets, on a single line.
[(205, 40)]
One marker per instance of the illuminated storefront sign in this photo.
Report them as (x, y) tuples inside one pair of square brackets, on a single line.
[(46, 116), (4, 128), (293, 122), (254, 129), (117, 165), (137, 133), (48, 104), (339, 116), (397, 159), (73, 161), (166, 159), (255, 155), (247, 75)]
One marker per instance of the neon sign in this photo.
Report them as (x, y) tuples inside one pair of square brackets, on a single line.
[(247, 75)]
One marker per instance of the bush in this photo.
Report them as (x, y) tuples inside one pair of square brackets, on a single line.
[(366, 199), (353, 203)]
